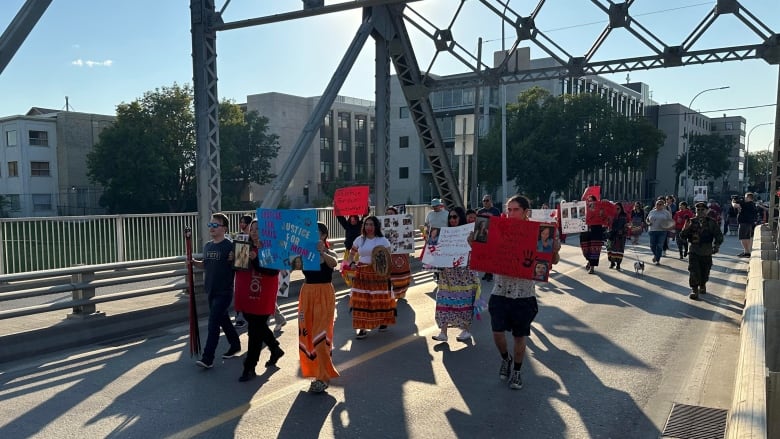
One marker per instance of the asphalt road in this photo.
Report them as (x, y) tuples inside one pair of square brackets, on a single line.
[(608, 356)]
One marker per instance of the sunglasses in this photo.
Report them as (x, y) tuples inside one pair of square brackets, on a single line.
[(453, 216), (486, 199), (214, 225)]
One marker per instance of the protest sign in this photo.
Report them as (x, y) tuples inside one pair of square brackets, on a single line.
[(512, 249), (351, 200), (452, 247), (399, 230), (600, 213), (573, 217), (544, 215), (287, 235)]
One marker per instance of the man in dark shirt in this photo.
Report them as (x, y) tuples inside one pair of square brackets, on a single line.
[(748, 213), (218, 283)]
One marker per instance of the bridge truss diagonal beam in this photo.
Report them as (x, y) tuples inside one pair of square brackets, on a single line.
[(17, 31)]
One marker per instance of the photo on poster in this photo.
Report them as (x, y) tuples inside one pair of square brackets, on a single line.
[(241, 255), (481, 229)]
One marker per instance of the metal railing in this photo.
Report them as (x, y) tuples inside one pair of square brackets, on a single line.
[(48, 243)]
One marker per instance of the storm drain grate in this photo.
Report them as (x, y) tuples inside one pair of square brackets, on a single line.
[(694, 422)]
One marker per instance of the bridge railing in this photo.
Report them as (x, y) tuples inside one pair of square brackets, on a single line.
[(48, 243)]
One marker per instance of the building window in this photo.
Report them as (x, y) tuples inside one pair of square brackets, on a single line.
[(729, 126), (10, 138), (41, 202), (13, 169), (39, 138), (39, 169), (13, 202), (403, 112), (403, 173), (403, 142)]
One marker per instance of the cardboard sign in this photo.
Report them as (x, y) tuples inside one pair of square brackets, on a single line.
[(600, 213), (544, 215), (512, 249), (591, 190), (451, 248), (399, 230), (351, 200), (289, 239), (573, 217)]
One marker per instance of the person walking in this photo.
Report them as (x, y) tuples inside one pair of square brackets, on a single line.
[(705, 237), (316, 314), (659, 221), (457, 288), (256, 290), (747, 217), (488, 209), (637, 222), (617, 238), (682, 215), (371, 301), (592, 240), (217, 263), (513, 307)]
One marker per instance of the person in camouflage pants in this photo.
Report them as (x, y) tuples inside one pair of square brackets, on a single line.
[(705, 237)]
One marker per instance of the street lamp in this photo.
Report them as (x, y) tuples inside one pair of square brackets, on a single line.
[(747, 151), (688, 146)]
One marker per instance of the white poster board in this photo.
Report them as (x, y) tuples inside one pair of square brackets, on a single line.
[(452, 248), (573, 217), (544, 215), (700, 193), (399, 230)]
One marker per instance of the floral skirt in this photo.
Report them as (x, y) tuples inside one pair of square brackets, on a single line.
[(455, 297)]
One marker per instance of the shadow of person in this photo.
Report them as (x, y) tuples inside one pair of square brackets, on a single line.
[(307, 415)]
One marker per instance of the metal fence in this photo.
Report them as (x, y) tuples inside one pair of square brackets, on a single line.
[(46, 243)]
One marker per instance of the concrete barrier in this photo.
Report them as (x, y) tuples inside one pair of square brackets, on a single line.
[(756, 384)]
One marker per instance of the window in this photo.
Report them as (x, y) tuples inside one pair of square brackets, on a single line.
[(403, 112), (10, 138), (13, 202), (41, 202), (39, 138), (39, 169), (403, 142), (729, 126), (403, 173), (13, 169)]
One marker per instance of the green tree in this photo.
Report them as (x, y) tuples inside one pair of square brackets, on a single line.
[(551, 139), (246, 151), (145, 161), (708, 156), (759, 165)]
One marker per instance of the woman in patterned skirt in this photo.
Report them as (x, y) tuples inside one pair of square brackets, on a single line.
[(592, 240), (617, 238), (316, 312), (457, 288), (371, 301)]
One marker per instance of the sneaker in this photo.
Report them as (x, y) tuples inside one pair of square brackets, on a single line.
[(464, 336), (232, 352), (247, 375), (240, 324), (506, 366), (442, 336), (361, 334), (318, 386), (741, 255), (276, 354), (383, 328), (744, 255), (204, 364), (515, 381)]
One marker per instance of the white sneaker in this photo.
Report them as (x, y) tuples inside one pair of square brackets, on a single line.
[(464, 336), (441, 337)]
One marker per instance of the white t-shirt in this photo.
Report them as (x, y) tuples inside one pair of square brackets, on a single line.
[(437, 219), (366, 246)]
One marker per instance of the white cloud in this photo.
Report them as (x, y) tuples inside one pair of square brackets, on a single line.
[(89, 63)]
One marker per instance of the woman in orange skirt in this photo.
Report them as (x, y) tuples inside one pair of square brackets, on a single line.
[(316, 312)]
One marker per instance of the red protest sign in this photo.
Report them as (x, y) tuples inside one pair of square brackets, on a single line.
[(591, 190), (600, 213), (351, 200), (515, 248)]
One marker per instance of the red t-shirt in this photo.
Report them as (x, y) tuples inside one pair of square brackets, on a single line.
[(681, 216)]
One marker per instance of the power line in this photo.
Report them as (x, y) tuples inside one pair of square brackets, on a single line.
[(718, 111)]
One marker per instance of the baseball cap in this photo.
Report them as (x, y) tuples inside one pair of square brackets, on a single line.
[(436, 202)]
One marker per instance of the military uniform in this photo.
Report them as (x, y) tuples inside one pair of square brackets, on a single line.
[(705, 237)]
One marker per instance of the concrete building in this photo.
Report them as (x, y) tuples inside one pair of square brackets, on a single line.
[(43, 170), (344, 154)]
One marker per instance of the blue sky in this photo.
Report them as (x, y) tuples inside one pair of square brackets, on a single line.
[(101, 53)]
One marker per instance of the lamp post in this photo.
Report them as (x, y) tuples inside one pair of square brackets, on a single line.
[(747, 151), (688, 146)]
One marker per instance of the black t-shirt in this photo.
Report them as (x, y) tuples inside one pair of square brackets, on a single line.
[(218, 268), (748, 213)]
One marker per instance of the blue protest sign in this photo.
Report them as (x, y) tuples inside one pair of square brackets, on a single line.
[(286, 235)]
